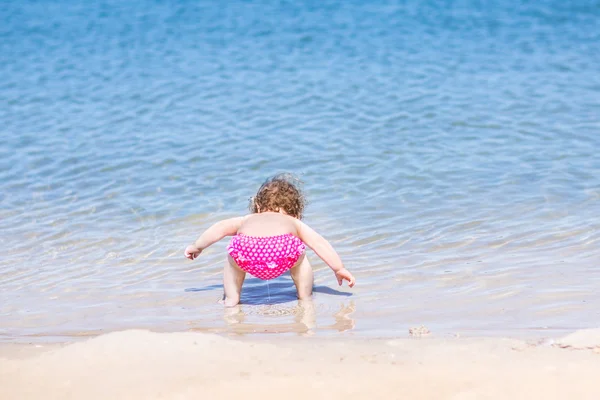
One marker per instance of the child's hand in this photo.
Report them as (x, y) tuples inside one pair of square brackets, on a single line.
[(344, 274), (192, 252)]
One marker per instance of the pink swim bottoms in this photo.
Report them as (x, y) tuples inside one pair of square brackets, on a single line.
[(266, 257)]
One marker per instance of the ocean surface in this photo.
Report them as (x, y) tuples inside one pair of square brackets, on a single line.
[(449, 151)]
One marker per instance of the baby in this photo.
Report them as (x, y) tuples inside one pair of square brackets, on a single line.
[(270, 241)]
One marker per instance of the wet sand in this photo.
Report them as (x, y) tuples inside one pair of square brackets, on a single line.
[(139, 364)]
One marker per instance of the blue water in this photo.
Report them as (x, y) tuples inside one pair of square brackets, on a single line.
[(449, 151)]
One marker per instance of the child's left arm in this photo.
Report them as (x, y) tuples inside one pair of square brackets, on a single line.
[(226, 227), (325, 251)]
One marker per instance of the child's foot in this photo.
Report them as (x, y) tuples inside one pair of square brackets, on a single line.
[(230, 302)]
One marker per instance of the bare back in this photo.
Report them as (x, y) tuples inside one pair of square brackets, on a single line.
[(268, 224)]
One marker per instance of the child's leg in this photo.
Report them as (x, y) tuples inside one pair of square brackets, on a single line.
[(233, 278), (302, 275)]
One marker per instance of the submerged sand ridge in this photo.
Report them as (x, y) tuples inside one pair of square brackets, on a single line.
[(145, 365)]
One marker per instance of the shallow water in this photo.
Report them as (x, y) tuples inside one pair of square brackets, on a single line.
[(449, 151)]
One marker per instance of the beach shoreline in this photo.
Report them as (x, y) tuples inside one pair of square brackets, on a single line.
[(139, 364)]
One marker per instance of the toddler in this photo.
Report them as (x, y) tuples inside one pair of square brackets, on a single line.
[(270, 241)]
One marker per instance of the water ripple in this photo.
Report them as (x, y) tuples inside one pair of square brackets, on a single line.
[(449, 154)]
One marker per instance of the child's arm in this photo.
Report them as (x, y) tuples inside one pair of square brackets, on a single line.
[(325, 251), (226, 227)]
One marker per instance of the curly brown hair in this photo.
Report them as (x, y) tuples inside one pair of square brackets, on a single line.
[(281, 192)]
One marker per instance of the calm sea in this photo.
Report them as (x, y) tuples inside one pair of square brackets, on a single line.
[(449, 149)]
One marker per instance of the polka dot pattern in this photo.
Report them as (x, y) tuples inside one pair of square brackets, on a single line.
[(266, 257)]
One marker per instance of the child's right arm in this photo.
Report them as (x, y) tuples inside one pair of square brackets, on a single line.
[(325, 251), (226, 227)]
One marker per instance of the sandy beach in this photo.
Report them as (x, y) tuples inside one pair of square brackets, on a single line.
[(140, 364)]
